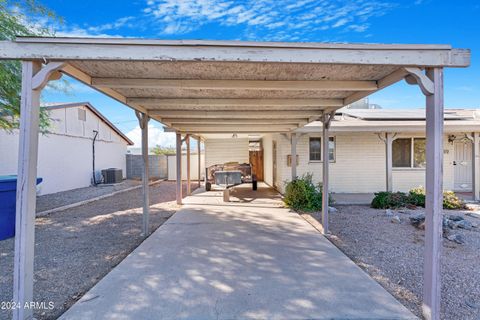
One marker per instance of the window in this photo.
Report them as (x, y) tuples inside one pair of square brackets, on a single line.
[(316, 149), (419, 156), (82, 115), (408, 153), (401, 153)]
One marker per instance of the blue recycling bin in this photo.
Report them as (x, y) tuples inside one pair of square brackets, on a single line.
[(8, 195)]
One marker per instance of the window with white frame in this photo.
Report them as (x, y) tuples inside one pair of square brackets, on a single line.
[(315, 149), (408, 153)]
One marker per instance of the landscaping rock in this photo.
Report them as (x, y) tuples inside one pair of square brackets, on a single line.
[(446, 222), (396, 219), (418, 220), (451, 224), (332, 210), (472, 304), (455, 217), (464, 224), (388, 212), (473, 214), (457, 238)]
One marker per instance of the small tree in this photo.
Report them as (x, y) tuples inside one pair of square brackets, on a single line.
[(20, 18), (158, 150)]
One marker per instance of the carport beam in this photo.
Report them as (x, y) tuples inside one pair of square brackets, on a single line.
[(189, 164), (434, 196), (143, 122), (179, 168)]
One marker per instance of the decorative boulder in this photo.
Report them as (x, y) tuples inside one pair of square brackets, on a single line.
[(418, 220)]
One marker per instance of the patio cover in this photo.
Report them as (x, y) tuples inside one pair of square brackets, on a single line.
[(202, 87), (231, 86)]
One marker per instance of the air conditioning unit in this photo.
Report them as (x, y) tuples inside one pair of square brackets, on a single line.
[(112, 175)]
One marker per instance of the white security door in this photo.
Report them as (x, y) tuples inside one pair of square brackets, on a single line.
[(462, 166)]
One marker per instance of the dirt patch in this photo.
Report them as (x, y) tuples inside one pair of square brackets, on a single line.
[(77, 247), (392, 253)]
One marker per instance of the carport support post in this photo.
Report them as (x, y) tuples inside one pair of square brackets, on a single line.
[(26, 192), (475, 166), (199, 141), (293, 155), (179, 168), (143, 122), (189, 164), (326, 119), (388, 145), (434, 197)]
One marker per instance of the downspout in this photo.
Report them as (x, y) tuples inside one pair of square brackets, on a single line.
[(93, 157)]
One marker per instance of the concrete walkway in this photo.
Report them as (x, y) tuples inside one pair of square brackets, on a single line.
[(249, 259)]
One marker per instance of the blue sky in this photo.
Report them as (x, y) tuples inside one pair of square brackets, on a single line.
[(428, 21)]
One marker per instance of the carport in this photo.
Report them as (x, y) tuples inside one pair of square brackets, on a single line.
[(202, 87)]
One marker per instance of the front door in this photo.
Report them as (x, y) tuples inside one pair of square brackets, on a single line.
[(256, 161), (462, 165)]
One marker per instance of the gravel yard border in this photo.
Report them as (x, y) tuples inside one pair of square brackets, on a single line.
[(103, 196), (391, 250)]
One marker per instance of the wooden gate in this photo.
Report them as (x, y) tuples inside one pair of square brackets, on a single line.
[(256, 161)]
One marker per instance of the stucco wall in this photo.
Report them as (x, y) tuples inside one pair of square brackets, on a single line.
[(172, 166), (219, 151), (65, 154), (64, 162)]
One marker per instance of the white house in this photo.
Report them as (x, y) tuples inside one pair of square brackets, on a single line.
[(358, 151), (65, 153)]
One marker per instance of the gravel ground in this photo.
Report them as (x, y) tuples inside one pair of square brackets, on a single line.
[(60, 199), (393, 255), (77, 247)]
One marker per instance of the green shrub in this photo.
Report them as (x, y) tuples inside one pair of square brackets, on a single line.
[(451, 201), (389, 200), (416, 197), (302, 194)]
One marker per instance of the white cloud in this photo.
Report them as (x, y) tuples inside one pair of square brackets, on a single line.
[(156, 136), (269, 16), (117, 24), (79, 32), (340, 23), (288, 20)]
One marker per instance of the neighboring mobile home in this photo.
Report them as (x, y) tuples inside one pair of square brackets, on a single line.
[(65, 153), (358, 151)]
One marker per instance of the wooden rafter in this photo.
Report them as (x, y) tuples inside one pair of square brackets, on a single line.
[(322, 85), (157, 103)]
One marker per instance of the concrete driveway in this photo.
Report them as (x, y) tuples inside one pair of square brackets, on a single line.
[(249, 259)]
